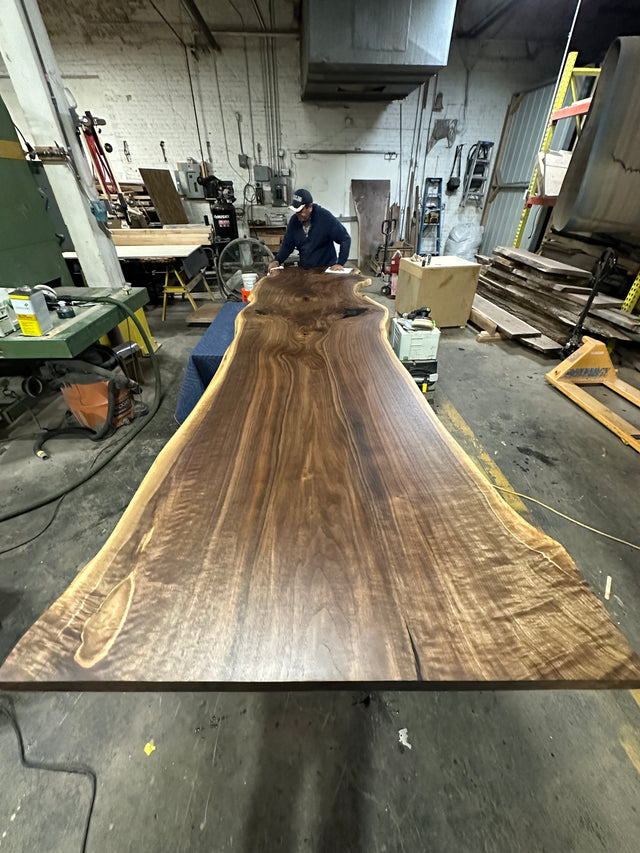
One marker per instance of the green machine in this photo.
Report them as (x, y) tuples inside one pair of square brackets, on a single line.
[(29, 248)]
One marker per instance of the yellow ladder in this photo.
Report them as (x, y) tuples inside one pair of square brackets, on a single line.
[(568, 79)]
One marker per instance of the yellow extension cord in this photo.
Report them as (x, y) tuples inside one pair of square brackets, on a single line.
[(568, 517)]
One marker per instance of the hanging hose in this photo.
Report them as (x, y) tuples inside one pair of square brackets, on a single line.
[(135, 429)]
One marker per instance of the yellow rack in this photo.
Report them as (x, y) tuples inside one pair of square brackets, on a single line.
[(567, 80)]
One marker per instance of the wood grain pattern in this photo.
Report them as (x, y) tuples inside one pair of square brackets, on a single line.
[(313, 523), (538, 262), (159, 184), (371, 201), (200, 235)]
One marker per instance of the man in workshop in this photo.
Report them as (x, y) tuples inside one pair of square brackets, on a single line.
[(313, 231)]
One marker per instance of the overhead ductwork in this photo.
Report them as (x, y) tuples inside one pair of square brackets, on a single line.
[(378, 50)]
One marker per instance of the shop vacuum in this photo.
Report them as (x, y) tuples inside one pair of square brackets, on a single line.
[(97, 390)]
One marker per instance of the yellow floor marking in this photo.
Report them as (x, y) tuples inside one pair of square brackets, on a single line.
[(631, 744), (464, 435), (636, 695)]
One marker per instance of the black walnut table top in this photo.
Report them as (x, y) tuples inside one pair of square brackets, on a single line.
[(313, 524)]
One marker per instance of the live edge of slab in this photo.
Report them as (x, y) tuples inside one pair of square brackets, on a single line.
[(312, 525)]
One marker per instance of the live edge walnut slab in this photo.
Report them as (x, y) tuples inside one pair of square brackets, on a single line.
[(313, 524)]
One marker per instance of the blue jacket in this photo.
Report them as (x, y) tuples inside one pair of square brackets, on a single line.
[(316, 250)]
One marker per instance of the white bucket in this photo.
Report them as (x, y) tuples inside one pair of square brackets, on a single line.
[(248, 280)]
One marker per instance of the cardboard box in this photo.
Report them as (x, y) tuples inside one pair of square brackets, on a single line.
[(446, 286), (552, 167)]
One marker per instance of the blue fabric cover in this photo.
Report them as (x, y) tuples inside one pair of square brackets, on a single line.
[(206, 357)]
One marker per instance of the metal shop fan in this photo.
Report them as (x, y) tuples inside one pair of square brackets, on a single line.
[(244, 255)]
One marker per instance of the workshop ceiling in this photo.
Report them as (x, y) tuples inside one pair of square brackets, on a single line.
[(531, 21), (549, 21), (96, 19)]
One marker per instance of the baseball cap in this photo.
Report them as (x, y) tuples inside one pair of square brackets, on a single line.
[(301, 198)]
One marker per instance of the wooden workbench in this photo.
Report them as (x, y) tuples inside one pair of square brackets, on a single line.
[(166, 252), (70, 337)]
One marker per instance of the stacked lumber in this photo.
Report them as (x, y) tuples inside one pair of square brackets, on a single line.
[(184, 235), (138, 200), (584, 251), (550, 295), (496, 323)]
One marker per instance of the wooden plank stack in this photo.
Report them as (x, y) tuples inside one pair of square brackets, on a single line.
[(585, 252), (550, 296), (497, 323), (185, 235), (141, 209)]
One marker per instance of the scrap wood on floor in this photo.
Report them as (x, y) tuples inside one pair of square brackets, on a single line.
[(549, 296), (497, 324)]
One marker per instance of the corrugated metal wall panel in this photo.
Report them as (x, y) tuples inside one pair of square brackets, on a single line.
[(516, 161), (525, 135), (504, 216)]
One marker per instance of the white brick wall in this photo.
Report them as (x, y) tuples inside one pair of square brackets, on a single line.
[(142, 90)]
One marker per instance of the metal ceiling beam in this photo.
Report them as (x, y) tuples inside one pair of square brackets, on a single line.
[(267, 34), (490, 18), (194, 13)]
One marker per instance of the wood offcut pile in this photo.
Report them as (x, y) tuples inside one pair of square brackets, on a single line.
[(546, 297)]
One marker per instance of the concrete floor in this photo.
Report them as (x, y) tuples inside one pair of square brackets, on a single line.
[(498, 772)]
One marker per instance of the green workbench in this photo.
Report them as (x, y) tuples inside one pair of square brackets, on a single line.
[(70, 337)]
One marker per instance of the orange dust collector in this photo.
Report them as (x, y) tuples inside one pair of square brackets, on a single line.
[(95, 404)]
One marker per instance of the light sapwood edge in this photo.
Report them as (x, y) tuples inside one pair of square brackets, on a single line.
[(511, 520), (171, 451)]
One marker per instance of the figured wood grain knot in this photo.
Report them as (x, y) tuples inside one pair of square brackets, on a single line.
[(101, 630)]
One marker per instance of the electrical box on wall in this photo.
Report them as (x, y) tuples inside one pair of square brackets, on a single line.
[(280, 192), (187, 175), (261, 173)]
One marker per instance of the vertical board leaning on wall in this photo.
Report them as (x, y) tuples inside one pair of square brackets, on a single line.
[(328, 178), (514, 162), (371, 199)]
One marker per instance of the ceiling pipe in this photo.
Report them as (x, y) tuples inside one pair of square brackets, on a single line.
[(269, 34)]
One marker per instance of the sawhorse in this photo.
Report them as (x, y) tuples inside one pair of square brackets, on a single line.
[(182, 285)]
